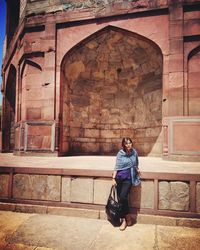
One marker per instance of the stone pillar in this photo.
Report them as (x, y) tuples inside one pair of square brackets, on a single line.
[(176, 59), (49, 69)]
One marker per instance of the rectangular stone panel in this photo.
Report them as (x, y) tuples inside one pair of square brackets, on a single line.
[(142, 196), (39, 136), (101, 191), (36, 187), (190, 141), (4, 183), (33, 113), (17, 137), (66, 189), (164, 195), (191, 27), (82, 190), (174, 195)]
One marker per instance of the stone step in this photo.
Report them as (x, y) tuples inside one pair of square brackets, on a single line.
[(99, 214)]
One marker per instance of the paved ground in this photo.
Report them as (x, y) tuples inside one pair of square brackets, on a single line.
[(19, 231), (147, 164)]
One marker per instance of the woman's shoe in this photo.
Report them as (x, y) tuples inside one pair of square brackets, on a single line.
[(123, 225), (128, 220)]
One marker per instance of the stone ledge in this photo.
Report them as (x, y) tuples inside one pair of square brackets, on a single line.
[(99, 214), (74, 212)]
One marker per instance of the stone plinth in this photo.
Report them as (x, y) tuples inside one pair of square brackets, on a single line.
[(171, 194)]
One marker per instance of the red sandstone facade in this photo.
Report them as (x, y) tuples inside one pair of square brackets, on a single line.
[(80, 75)]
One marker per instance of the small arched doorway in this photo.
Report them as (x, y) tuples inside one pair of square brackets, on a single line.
[(9, 111), (111, 87)]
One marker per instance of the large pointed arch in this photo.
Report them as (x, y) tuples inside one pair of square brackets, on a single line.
[(111, 86)]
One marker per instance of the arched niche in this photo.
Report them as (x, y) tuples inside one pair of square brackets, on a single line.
[(9, 111), (111, 87), (31, 89), (193, 82)]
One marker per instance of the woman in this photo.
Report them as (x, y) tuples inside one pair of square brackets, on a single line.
[(126, 174)]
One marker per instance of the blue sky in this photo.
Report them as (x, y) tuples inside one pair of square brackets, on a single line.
[(2, 33)]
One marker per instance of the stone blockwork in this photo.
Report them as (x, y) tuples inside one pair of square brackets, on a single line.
[(82, 190), (112, 89), (101, 191), (36, 187), (162, 197), (174, 195), (100, 70), (142, 196)]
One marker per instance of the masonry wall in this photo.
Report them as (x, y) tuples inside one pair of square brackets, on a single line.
[(164, 196), (39, 50)]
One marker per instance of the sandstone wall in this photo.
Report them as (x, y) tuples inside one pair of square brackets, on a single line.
[(37, 7), (172, 195)]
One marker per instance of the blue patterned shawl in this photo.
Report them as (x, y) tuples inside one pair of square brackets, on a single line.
[(126, 161)]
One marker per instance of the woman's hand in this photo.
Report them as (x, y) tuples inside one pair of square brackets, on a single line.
[(114, 182), (138, 171), (113, 178)]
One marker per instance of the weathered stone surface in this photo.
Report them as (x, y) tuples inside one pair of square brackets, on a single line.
[(164, 194), (39, 137), (74, 212), (113, 79), (101, 191), (188, 222), (142, 196), (66, 189), (26, 208), (174, 195), (39, 187), (157, 220), (198, 197), (82, 190), (4, 183)]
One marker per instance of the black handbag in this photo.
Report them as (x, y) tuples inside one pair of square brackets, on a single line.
[(113, 208)]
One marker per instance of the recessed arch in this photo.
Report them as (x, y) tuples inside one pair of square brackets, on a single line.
[(111, 87), (31, 63), (193, 82), (31, 82), (9, 111)]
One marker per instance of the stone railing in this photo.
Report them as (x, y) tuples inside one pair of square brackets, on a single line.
[(159, 193)]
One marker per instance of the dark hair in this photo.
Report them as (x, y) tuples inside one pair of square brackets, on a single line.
[(125, 140)]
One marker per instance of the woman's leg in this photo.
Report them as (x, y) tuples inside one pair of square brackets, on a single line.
[(123, 189), (123, 192)]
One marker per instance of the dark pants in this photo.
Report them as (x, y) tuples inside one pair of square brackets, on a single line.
[(123, 189)]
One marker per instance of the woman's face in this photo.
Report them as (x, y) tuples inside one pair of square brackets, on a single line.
[(128, 145)]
